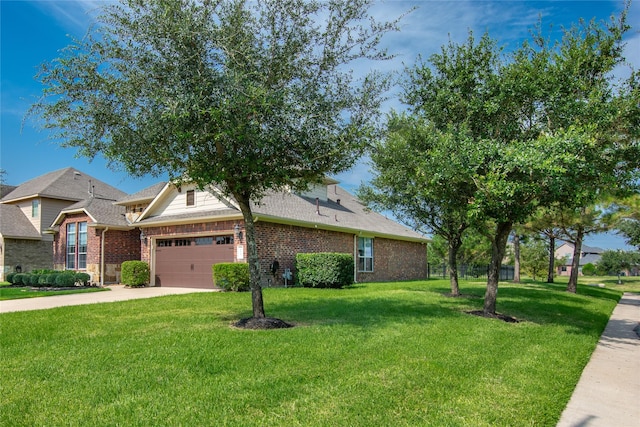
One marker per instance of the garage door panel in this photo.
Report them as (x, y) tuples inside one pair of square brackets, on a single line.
[(189, 264)]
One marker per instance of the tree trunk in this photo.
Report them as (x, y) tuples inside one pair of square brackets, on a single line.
[(252, 256), (516, 262), (552, 259), (454, 246), (572, 286), (498, 247)]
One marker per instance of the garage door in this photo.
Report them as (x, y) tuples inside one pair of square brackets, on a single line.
[(186, 262)]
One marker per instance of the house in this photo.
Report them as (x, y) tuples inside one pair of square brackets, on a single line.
[(69, 220), (185, 230), (28, 210), (588, 255)]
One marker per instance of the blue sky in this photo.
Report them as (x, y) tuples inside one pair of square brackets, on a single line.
[(34, 31)]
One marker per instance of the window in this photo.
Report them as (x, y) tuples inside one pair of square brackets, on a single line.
[(224, 240), (365, 254), (77, 246), (183, 242), (191, 198), (202, 241), (35, 205), (71, 246), (82, 245)]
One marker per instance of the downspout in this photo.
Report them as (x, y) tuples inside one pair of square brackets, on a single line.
[(102, 257), (355, 258)]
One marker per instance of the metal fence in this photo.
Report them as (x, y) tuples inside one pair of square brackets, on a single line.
[(469, 272)]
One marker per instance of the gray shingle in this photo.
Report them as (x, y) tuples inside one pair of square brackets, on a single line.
[(14, 224), (105, 212), (65, 184), (145, 195)]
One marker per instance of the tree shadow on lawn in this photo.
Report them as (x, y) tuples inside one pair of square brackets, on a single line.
[(537, 304), (358, 311)]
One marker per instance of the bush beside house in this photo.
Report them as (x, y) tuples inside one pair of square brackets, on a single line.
[(231, 276), (324, 270), (135, 273)]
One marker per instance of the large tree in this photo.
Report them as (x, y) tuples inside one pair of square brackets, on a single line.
[(420, 175), (248, 96)]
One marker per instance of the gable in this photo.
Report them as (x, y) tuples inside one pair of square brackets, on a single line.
[(172, 203)]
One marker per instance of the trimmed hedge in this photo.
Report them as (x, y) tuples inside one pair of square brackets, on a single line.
[(135, 273), (49, 278), (324, 270), (231, 276)]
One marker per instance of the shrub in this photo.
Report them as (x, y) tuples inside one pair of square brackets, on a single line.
[(589, 269), (42, 279), (135, 273), (50, 279), (18, 278), (83, 279), (33, 279), (324, 270), (231, 276), (9, 277), (66, 279)]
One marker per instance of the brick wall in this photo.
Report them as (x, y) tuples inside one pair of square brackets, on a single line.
[(119, 246), (27, 254), (393, 259)]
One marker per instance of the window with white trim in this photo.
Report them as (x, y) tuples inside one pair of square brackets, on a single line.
[(365, 254), (35, 208), (76, 251)]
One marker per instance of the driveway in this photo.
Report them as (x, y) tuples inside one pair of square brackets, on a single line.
[(116, 293)]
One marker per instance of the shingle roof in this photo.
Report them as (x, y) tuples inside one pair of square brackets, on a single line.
[(14, 224), (104, 212), (290, 208), (591, 250), (65, 184), (145, 195), (6, 189)]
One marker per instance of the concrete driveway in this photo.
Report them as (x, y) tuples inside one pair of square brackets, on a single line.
[(116, 293)]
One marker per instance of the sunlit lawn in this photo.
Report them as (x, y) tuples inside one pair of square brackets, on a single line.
[(7, 293), (389, 354)]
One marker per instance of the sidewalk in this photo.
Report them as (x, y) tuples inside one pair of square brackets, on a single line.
[(608, 393), (117, 293)]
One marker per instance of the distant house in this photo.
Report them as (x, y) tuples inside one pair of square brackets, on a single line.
[(69, 220), (28, 210), (588, 255)]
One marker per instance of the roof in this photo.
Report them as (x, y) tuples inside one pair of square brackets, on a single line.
[(64, 184), (14, 224), (142, 196), (102, 212), (590, 259), (341, 212), (591, 250), (6, 189)]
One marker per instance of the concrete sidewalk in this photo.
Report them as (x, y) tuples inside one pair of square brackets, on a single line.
[(116, 293), (608, 393)]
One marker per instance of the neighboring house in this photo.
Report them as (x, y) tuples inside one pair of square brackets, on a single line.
[(588, 255), (186, 230), (27, 212)]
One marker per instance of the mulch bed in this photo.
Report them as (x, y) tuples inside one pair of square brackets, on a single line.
[(262, 323), (50, 288)]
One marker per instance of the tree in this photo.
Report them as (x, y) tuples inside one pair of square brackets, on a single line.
[(625, 217), (617, 262), (545, 223), (248, 96), (534, 257), (421, 175)]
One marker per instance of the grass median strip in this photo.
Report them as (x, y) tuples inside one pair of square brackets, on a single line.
[(399, 354)]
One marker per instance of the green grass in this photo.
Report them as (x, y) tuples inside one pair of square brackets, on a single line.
[(385, 354), (7, 293)]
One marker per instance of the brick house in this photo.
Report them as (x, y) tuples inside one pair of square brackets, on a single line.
[(28, 210), (85, 225), (185, 230)]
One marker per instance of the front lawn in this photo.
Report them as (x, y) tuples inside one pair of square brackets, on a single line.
[(7, 292), (384, 354)]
